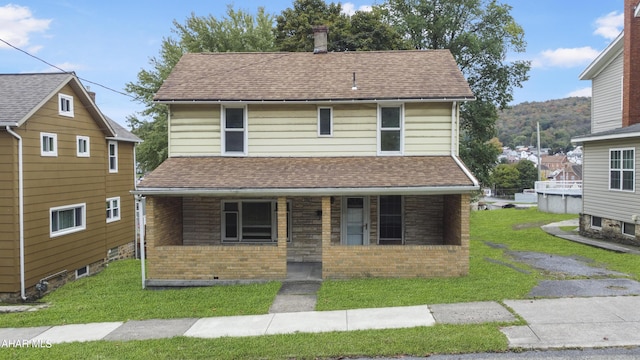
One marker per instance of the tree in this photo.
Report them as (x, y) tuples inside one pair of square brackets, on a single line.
[(505, 177), (528, 174), (238, 31), (361, 31), (479, 34)]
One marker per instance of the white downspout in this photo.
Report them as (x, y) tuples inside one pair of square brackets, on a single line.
[(455, 129), (23, 294)]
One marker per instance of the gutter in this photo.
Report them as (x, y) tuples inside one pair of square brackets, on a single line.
[(455, 129), (315, 101), (20, 210)]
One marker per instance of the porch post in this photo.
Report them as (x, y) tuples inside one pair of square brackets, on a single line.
[(326, 232), (282, 221)]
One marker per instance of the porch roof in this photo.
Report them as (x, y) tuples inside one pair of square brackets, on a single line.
[(288, 176)]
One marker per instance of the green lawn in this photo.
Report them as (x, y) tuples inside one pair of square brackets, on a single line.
[(115, 295)]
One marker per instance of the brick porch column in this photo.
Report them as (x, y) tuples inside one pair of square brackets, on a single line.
[(282, 222)]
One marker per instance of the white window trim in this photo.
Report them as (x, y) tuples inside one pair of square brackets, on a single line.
[(109, 201), (60, 110), (330, 134), (622, 170), (223, 130), (379, 130), (54, 152), (623, 228), (115, 169), (85, 268), (594, 226), (87, 140), (74, 229), (402, 218), (274, 222)]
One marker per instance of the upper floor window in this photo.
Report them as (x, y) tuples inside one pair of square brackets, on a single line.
[(325, 121), (113, 156), (113, 209), (65, 105), (390, 121), (234, 131), (82, 146), (67, 219), (48, 144), (622, 169)]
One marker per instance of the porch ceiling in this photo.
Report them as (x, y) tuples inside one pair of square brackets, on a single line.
[(313, 176)]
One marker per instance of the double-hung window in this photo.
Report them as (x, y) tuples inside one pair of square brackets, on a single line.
[(252, 221), (113, 156), (234, 130), (48, 144), (390, 132), (82, 146), (325, 121), (622, 169), (67, 219), (65, 105), (390, 219), (113, 209)]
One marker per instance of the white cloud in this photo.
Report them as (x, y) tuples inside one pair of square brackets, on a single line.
[(17, 23), (565, 57), (610, 25), (580, 92), (350, 8)]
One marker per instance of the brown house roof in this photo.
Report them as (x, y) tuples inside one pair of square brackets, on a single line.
[(299, 175), (301, 76)]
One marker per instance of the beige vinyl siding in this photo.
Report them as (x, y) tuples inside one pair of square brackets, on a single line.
[(9, 232), (598, 200), (292, 130), (194, 130), (606, 101), (427, 129)]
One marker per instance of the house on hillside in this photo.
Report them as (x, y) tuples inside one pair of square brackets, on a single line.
[(66, 172), (347, 160), (611, 201)]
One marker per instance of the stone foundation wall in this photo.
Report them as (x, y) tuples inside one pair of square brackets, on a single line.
[(611, 230)]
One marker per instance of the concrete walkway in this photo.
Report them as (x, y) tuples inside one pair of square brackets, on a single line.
[(554, 229)]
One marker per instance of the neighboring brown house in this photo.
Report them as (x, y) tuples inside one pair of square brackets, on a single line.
[(348, 160), (66, 172)]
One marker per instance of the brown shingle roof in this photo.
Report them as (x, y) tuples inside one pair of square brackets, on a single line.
[(425, 74), (299, 173)]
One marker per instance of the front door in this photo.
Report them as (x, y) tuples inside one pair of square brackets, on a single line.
[(355, 220)]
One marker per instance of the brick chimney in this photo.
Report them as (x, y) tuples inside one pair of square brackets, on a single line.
[(631, 72), (320, 39)]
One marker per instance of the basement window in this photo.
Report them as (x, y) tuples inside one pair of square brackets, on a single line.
[(82, 272), (596, 222), (629, 229)]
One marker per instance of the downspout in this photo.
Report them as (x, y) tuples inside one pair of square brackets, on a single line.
[(455, 130), (20, 211)]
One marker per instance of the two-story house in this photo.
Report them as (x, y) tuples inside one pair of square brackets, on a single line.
[(611, 204), (349, 160), (66, 172)]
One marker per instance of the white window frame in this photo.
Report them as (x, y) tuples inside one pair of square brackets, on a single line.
[(114, 168), (623, 229), (110, 209), (84, 270), (596, 226), (224, 130), (622, 169), (380, 129), (66, 110), (72, 229), (87, 150), (402, 220), (274, 222), (330, 134), (49, 152)]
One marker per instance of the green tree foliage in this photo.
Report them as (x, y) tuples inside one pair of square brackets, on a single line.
[(527, 174), (506, 179), (361, 31), (238, 31), (479, 34)]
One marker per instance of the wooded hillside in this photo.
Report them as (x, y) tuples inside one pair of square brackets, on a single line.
[(560, 120)]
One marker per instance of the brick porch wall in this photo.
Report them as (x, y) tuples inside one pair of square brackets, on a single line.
[(341, 262)]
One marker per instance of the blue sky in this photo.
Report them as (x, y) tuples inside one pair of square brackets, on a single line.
[(109, 42)]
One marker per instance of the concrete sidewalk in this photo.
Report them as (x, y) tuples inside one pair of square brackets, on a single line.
[(551, 323)]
